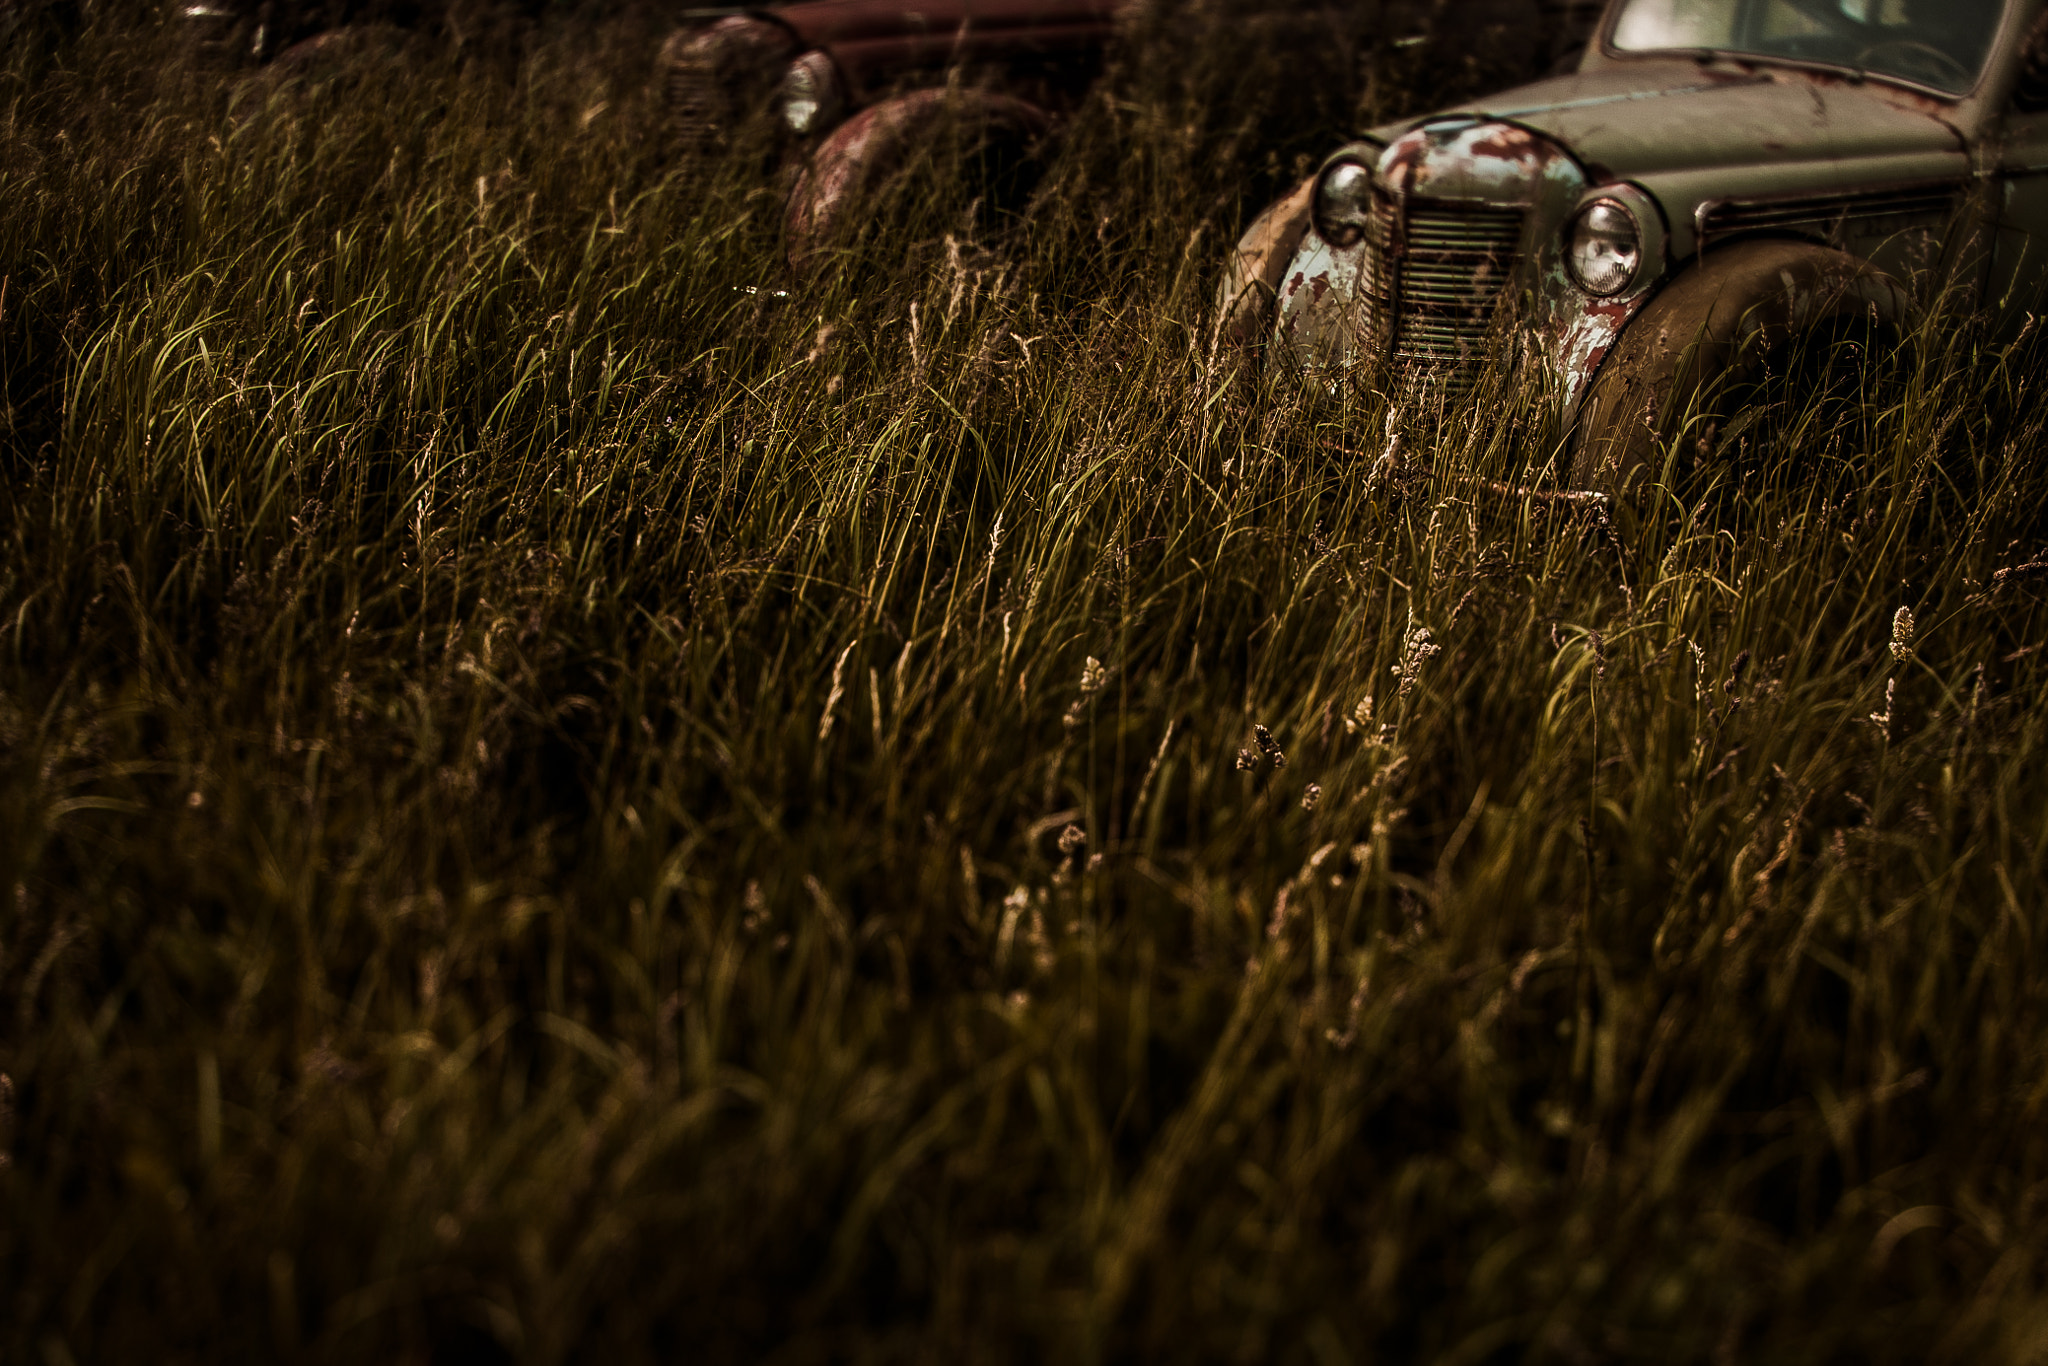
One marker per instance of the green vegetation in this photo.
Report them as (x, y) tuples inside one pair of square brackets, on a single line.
[(559, 808)]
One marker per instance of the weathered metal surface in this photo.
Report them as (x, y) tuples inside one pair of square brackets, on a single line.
[(867, 147), (1689, 134), (1251, 277), (1739, 302), (1486, 191), (1578, 329), (874, 42), (1649, 114)]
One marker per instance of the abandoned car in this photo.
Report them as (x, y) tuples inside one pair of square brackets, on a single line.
[(1716, 185), (830, 72), (858, 85)]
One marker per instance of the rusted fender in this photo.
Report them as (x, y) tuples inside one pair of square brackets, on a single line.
[(335, 48), (1718, 320), (882, 139), (1581, 335), (1250, 288)]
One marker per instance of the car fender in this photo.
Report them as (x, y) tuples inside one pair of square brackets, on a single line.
[(881, 139), (1737, 301), (1250, 288)]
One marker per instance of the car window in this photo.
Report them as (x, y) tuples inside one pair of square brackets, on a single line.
[(1936, 43)]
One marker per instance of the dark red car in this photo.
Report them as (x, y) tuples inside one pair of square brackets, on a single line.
[(860, 83)]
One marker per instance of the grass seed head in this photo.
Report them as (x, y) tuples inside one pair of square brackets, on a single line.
[(838, 690), (1416, 649), (1902, 633), (1729, 684), (1883, 719), (1269, 747)]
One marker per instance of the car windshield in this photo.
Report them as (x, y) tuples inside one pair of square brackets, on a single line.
[(1935, 43)]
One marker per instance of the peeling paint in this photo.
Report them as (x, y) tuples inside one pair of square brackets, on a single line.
[(1253, 278), (1582, 339)]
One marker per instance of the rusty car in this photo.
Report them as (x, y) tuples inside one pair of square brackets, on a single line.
[(856, 86), (1717, 185), (832, 74)]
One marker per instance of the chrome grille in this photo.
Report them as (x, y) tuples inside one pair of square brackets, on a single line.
[(1454, 267), (1432, 279), (1376, 274)]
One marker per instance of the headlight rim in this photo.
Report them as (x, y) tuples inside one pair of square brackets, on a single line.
[(826, 96), (1653, 237), (1572, 231), (1343, 237)]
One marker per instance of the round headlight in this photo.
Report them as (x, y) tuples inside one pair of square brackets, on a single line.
[(810, 98), (1343, 203), (1604, 247)]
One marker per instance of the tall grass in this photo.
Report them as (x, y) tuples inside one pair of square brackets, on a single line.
[(567, 797)]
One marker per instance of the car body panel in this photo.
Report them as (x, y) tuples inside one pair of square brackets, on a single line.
[(1655, 116), (820, 22), (2019, 275), (874, 44)]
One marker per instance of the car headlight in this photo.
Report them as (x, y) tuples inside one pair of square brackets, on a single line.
[(1604, 248), (811, 97), (1342, 207)]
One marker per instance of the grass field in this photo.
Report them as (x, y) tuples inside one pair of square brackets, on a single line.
[(558, 804)]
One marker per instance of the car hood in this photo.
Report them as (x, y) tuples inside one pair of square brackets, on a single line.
[(822, 23), (1640, 119)]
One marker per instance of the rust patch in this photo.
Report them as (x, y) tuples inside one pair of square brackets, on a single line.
[(1583, 339), (1510, 143), (875, 142), (1894, 94), (1401, 162)]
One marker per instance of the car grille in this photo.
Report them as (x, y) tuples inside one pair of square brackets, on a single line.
[(1830, 216), (1432, 280), (697, 110)]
